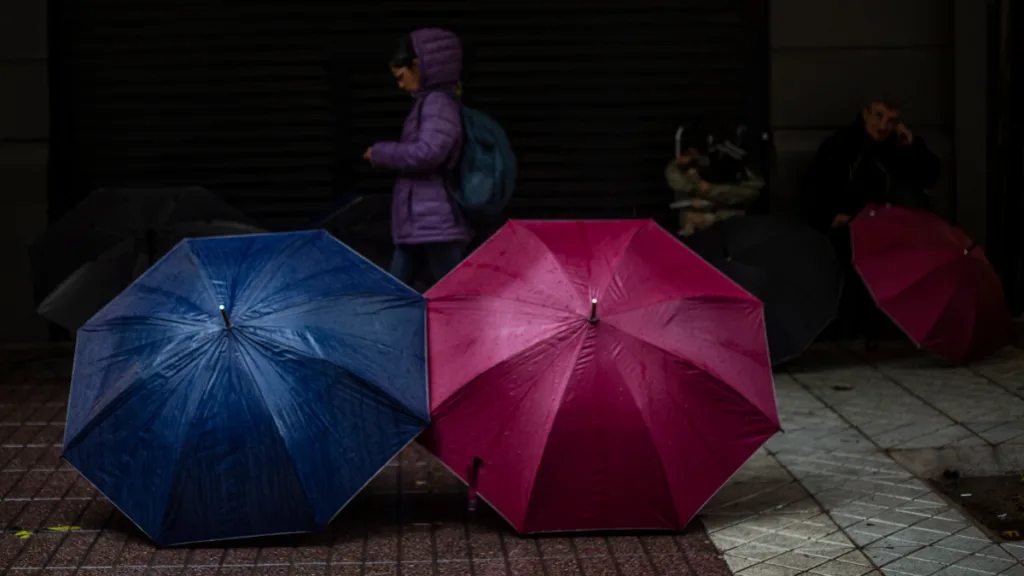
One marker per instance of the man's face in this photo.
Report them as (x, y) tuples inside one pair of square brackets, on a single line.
[(880, 121), (408, 78)]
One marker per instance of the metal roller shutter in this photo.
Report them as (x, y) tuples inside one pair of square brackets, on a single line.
[(272, 104)]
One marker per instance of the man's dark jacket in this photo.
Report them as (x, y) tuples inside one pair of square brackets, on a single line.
[(850, 170)]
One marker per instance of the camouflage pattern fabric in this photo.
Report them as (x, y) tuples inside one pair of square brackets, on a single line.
[(687, 184), (701, 204)]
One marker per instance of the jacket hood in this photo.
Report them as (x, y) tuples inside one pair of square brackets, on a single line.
[(440, 57)]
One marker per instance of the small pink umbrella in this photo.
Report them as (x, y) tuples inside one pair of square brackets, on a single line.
[(932, 280), (595, 376)]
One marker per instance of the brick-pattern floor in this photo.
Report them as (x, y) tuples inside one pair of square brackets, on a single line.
[(410, 521)]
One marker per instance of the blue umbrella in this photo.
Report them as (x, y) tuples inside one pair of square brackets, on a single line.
[(247, 386)]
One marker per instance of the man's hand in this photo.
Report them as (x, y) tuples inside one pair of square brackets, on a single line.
[(368, 155), (840, 220), (904, 135)]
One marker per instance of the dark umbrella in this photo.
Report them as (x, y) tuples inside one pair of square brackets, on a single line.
[(788, 266), (114, 235), (361, 222)]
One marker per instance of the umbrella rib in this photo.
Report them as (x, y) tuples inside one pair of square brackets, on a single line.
[(181, 450), (277, 427), (105, 412), (455, 397), (714, 377), (943, 314), (704, 444), (716, 298), (568, 314), (130, 351), (650, 437), (347, 335), (878, 303), (622, 257), (258, 279), (200, 270), (299, 302), (557, 407), (147, 321), (390, 400), (923, 277), (561, 269)]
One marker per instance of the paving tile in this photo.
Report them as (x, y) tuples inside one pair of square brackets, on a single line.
[(768, 570), (595, 566), (840, 568), (821, 499), (912, 567), (562, 566), (797, 560), (985, 564), (73, 549)]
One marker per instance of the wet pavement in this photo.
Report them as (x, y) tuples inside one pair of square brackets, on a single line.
[(411, 520)]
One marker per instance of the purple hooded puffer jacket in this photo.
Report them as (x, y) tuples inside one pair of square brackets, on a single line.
[(422, 212)]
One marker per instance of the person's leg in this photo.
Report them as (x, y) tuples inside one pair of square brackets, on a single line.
[(403, 265), (443, 257)]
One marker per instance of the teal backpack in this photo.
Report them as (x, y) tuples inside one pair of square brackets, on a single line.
[(485, 178)]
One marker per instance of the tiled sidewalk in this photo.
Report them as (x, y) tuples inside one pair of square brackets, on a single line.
[(829, 496), (411, 520)]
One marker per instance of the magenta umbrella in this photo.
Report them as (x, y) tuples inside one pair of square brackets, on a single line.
[(595, 376), (932, 280)]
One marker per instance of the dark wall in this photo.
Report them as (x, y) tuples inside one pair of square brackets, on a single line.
[(272, 104), (1005, 202)]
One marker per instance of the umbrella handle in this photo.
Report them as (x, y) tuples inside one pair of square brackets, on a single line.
[(224, 315), (474, 475)]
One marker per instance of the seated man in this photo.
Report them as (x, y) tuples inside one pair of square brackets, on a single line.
[(877, 159)]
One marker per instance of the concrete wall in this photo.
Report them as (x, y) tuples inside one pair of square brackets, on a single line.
[(829, 57), (970, 113), (24, 131)]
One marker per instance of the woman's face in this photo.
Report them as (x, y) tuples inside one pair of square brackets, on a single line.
[(408, 78)]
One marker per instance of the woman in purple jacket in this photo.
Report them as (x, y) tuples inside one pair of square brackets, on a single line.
[(426, 225)]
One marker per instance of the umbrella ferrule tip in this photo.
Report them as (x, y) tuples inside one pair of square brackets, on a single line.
[(593, 311), (224, 316)]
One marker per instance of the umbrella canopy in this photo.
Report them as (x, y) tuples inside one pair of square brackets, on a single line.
[(92, 253), (98, 281), (247, 386), (932, 280), (790, 267), (595, 376)]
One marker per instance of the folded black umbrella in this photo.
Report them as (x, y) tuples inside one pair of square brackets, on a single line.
[(790, 267), (112, 237)]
